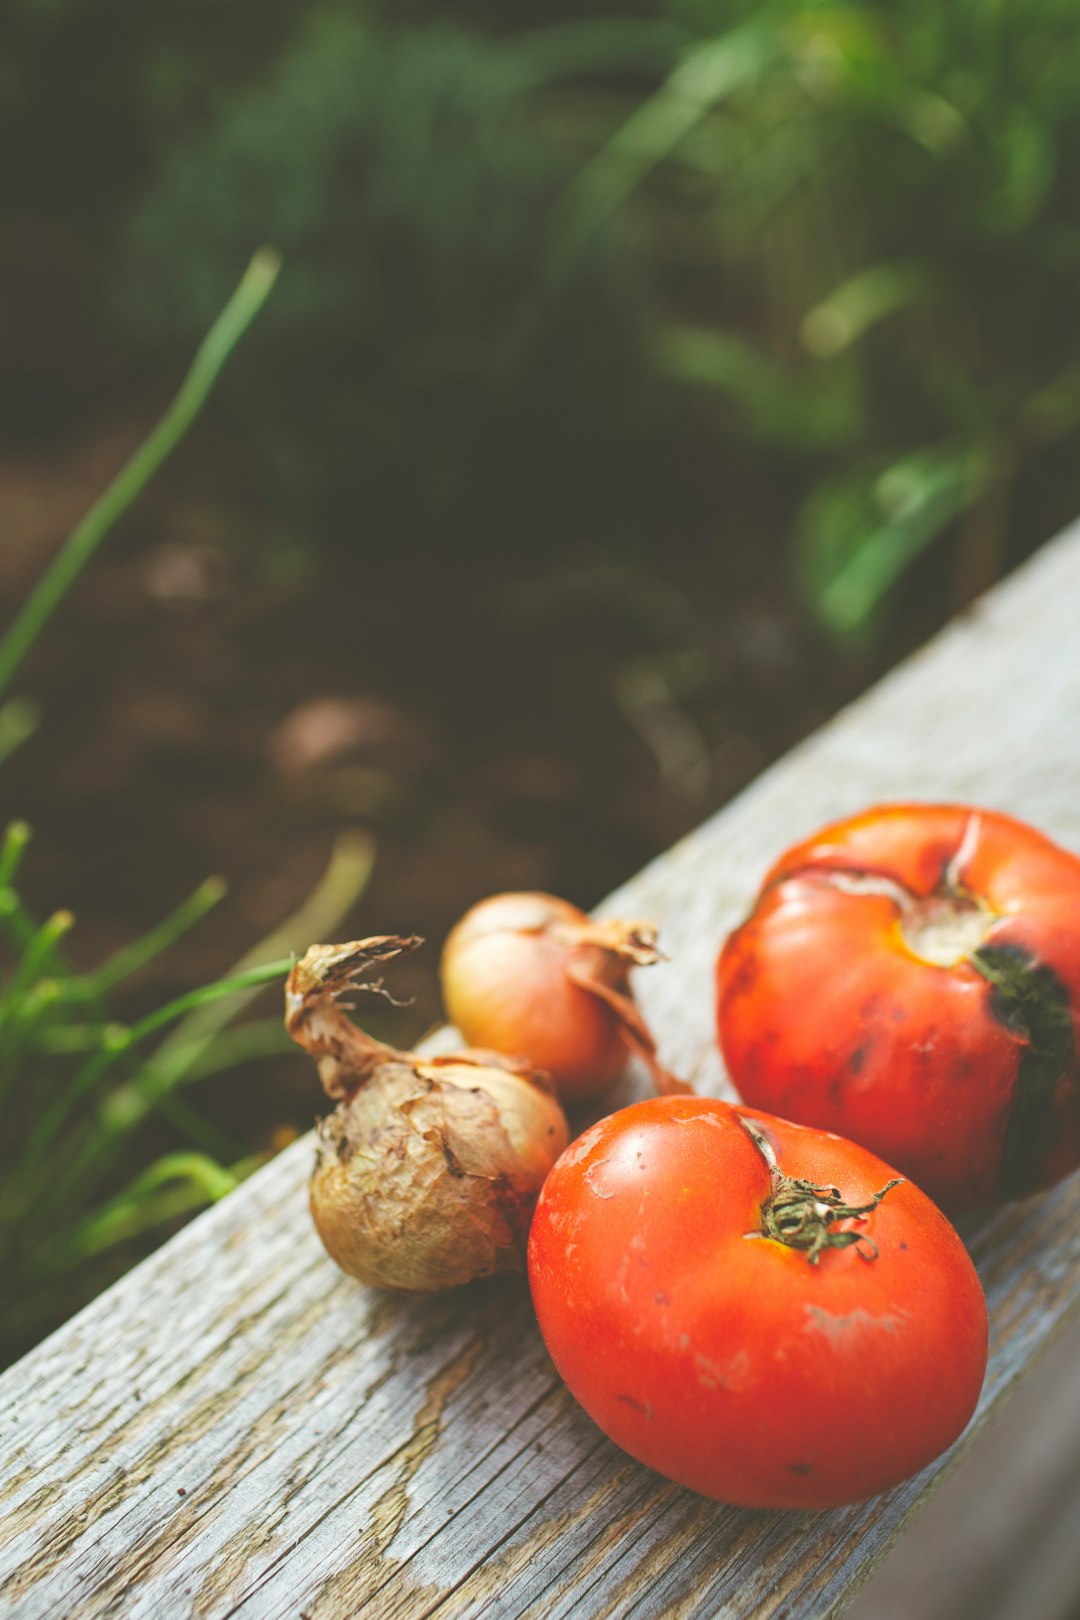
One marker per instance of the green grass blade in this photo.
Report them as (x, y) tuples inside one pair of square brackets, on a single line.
[(861, 533), (344, 881), (190, 1048), (19, 719), (118, 1041), (861, 303), (16, 838), (229, 1048), (135, 956), (175, 1185), (132, 479), (707, 74)]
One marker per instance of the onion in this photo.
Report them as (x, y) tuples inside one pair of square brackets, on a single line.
[(532, 976), (427, 1171)]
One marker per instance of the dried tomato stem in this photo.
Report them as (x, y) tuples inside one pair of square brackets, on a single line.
[(800, 1214), (316, 1012)]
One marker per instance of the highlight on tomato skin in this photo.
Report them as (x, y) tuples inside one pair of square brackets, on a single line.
[(910, 978), (803, 1370)]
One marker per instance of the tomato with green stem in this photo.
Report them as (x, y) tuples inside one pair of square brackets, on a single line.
[(762, 1312), (910, 977)]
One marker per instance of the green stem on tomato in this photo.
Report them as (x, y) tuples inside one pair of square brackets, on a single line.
[(800, 1214)]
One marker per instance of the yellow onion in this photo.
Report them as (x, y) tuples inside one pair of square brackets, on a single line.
[(531, 976), (427, 1171)]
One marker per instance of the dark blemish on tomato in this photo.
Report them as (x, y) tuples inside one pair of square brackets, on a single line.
[(644, 1408), (857, 1060), (899, 1015), (745, 977), (835, 1090), (662, 1299), (903, 1245), (800, 1468)]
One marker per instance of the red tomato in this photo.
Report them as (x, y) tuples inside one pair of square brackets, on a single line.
[(911, 978), (748, 1368)]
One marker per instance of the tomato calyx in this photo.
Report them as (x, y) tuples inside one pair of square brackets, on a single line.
[(801, 1214), (1029, 999)]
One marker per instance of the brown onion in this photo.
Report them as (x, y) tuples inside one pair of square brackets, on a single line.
[(532, 976), (427, 1171)]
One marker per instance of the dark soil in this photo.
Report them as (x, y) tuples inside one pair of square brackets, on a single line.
[(218, 701)]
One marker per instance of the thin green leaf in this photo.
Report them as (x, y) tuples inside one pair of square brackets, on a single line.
[(191, 1047), (135, 956), (117, 1041), (861, 302), (19, 719), (16, 837), (706, 75), (175, 1185), (132, 479), (859, 533), (815, 409)]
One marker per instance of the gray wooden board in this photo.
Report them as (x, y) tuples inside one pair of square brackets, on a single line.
[(235, 1429), (1001, 1538)]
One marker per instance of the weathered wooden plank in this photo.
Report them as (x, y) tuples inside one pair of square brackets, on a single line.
[(1002, 1535), (237, 1430)]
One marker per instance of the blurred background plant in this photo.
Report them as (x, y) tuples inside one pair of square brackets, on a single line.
[(646, 377), (884, 199), (529, 244), (78, 1088), (435, 368)]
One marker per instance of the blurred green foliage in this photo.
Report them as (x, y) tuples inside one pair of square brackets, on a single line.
[(887, 214), (845, 237), (86, 1097), (421, 371), (78, 1088)]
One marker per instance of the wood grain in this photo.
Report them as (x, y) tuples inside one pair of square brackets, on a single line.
[(237, 1430)]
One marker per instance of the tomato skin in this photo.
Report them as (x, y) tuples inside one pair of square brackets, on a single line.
[(731, 1363), (827, 1015)]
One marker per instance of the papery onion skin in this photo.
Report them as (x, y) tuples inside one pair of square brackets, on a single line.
[(427, 1177), (506, 987), (427, 1172)]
